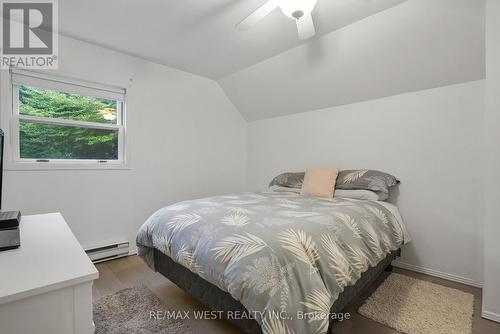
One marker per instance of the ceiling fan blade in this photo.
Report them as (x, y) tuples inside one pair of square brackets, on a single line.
[(305, 26), (258, 15)]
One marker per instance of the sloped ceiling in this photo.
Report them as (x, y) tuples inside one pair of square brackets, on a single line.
[(417, 45), (365, 49), (200, 36)]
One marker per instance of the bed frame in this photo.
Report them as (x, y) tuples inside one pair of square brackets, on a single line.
[(218, 300)]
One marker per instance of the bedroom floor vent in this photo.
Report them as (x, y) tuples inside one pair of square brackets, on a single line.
[(109, 252)]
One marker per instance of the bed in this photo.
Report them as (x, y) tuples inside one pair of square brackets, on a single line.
[(273, 262)]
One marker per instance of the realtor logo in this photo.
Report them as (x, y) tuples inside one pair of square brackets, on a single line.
[(29, 34)]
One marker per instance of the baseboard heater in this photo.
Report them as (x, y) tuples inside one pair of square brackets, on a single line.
[(108, 252)]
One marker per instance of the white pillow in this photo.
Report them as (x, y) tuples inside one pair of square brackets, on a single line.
[(284, 189), (362, 194)]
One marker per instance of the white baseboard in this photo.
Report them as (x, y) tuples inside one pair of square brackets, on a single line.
[(491, 316), (440, 274), (132, 252)]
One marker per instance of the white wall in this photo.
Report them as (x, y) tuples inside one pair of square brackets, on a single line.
[(430, 139), (491, 292), (417, 45), (186, 141)]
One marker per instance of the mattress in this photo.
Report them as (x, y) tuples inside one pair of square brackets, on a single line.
[(280, 255), (219, 300)]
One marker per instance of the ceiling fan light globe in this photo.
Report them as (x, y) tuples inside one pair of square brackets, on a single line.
[(298, 14), (292, 8)]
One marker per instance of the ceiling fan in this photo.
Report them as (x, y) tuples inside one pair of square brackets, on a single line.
[(298, 10)]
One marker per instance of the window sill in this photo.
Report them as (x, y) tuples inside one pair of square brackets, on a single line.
[(32, 166)]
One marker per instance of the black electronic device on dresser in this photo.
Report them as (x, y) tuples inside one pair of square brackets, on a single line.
[(9, 220)]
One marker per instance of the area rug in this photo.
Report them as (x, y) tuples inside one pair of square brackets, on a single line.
[(128, 311), (413, 306)]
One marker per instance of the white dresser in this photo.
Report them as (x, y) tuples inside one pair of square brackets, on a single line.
[(46, 284)]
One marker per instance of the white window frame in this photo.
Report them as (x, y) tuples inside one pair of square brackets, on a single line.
[(50, 82)]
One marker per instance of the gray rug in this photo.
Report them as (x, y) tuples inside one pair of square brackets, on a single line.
[(128, 311), (413, 306)]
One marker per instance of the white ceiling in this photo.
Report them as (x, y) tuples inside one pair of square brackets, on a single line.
[(417, 45), (199, 36), (365, 49)]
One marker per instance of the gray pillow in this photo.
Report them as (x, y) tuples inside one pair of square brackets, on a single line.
[(366, 179), (348, 180), (288, 180)]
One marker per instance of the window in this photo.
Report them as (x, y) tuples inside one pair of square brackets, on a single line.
[(66, 122)]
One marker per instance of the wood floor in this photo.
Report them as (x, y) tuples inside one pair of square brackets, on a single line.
[(127, 272)]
